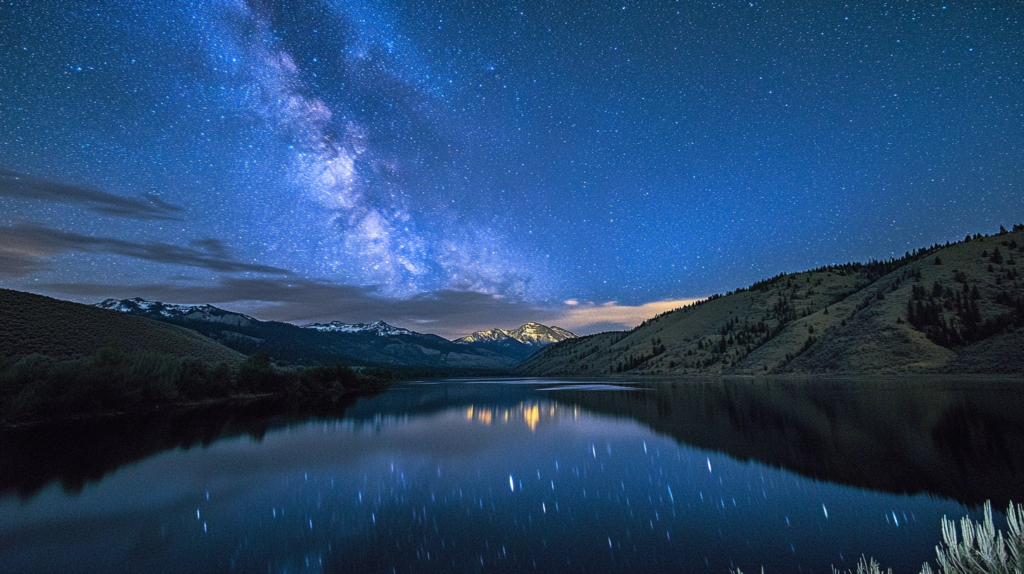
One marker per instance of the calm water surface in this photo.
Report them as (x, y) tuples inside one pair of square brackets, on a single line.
[(477, 476)]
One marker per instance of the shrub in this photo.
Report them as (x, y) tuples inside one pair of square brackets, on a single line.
[(983, 549), (980, 548)]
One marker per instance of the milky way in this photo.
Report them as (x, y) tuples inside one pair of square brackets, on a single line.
[(348, 210), (535, 152)]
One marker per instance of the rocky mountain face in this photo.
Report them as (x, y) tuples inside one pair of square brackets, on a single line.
[(519, 343), (375, 344), (954, 308)]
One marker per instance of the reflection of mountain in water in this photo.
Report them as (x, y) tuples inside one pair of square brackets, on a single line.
[(936, 437), (941, 438)]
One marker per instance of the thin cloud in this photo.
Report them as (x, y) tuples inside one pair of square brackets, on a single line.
[(23, 186), (584, 318), (24, 243), (13, 265)]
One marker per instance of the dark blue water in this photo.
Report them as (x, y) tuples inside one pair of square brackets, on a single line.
[(475, 477)]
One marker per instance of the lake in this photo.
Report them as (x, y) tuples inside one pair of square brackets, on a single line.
[(520, 475)]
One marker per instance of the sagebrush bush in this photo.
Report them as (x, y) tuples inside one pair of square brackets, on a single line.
[(979, 549)]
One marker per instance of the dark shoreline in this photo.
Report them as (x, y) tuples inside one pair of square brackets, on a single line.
[(144, 410), (336, 395)]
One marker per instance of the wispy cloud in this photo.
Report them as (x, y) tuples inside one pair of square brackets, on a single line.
[(26, 246), (23, 186), (14, 265), (593, 318)]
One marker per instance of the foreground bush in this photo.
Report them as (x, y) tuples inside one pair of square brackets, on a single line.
[(979, 549), (983, 549)]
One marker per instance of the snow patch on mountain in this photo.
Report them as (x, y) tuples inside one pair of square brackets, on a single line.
[(379, 328), (140, 306)]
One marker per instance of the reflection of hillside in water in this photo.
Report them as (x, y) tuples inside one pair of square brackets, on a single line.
[(934, 437), (79, 452), (938, 437)]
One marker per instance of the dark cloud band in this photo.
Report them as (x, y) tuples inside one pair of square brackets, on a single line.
[(24, 245), (22, 186)]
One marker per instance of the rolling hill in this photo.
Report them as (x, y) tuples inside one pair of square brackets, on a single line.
[(32, 323), (954, 308)]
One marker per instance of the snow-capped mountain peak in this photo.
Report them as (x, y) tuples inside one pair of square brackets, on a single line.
[(140, 306), (489, 336), (536, 334), (379, 328), (533, 334)]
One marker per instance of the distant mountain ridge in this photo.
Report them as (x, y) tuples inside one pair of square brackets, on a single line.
[(495, 348), (206, 312), (157, 309), (532, 334), (378, 343)]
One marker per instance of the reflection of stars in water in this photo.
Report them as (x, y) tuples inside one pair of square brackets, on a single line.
[(582, 504)]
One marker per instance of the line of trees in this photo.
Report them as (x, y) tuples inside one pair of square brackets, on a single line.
[(37, 386)]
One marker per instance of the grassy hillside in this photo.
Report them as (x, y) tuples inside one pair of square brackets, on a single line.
[(64, 330), (945, 309)]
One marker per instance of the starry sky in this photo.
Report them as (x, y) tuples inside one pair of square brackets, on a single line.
[(449, 166)]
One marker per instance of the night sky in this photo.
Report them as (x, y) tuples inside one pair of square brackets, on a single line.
[(449, 166)]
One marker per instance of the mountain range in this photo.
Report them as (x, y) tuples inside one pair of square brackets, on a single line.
[(532, 334), (953, 308), (519, 343), (376, 343), (379, 328)]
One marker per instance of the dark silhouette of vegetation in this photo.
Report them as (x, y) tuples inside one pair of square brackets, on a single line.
[(634, 360), (38, 386), (951, 318)]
